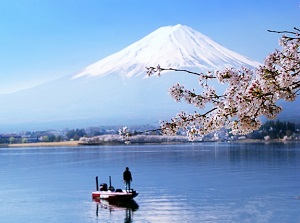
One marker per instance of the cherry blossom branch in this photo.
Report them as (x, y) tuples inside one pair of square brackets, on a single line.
[(158, 70), (250, 93), (125, 133), (288, 32)]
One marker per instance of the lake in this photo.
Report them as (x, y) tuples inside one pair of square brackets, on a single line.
[(201, 182)]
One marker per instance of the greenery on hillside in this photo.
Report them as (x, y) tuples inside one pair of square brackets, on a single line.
[(276, 130)]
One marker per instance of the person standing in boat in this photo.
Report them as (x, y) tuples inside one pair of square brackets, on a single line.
[(127, 178)]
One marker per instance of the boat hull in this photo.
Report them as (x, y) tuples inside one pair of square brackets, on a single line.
[(114, 195)]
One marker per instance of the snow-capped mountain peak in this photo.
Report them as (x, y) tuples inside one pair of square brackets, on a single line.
[(170, 46)]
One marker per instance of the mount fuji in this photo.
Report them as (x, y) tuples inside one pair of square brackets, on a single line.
[(115, 90), (171, 46)]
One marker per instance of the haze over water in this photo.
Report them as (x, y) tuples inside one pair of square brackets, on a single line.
[(204, 182)]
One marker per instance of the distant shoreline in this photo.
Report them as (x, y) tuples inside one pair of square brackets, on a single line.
[(45, 144), (77, 143)]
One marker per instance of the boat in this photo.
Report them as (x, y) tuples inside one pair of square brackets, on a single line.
[(112, 194)]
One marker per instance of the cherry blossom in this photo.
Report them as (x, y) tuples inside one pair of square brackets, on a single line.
[(250, 93)]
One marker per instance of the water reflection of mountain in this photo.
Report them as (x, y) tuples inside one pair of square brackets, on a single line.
[(128, 206)]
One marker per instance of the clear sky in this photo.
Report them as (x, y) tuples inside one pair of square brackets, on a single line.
[(42, 40)]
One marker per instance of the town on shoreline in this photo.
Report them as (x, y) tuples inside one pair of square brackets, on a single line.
[(271, 131)]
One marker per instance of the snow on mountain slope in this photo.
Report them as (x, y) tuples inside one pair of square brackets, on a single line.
[(171, 46)]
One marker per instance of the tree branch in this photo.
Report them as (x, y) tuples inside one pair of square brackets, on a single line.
[(287, 32), (159, 69)]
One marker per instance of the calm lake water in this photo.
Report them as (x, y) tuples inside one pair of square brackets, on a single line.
[(209, 182)]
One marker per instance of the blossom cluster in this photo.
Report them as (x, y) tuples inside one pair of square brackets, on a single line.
[(250, 94), (124, 133)]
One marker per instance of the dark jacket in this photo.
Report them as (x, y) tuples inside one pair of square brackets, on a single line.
[(127, 175)]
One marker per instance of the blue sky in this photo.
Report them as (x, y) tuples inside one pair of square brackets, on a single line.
[(42, 40)]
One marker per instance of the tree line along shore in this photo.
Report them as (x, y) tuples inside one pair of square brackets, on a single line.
[(271, 131)]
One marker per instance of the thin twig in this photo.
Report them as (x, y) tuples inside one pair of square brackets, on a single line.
[(179, 70), (273, 31)]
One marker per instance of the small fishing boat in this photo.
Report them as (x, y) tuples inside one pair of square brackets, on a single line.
[(112, 194)]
